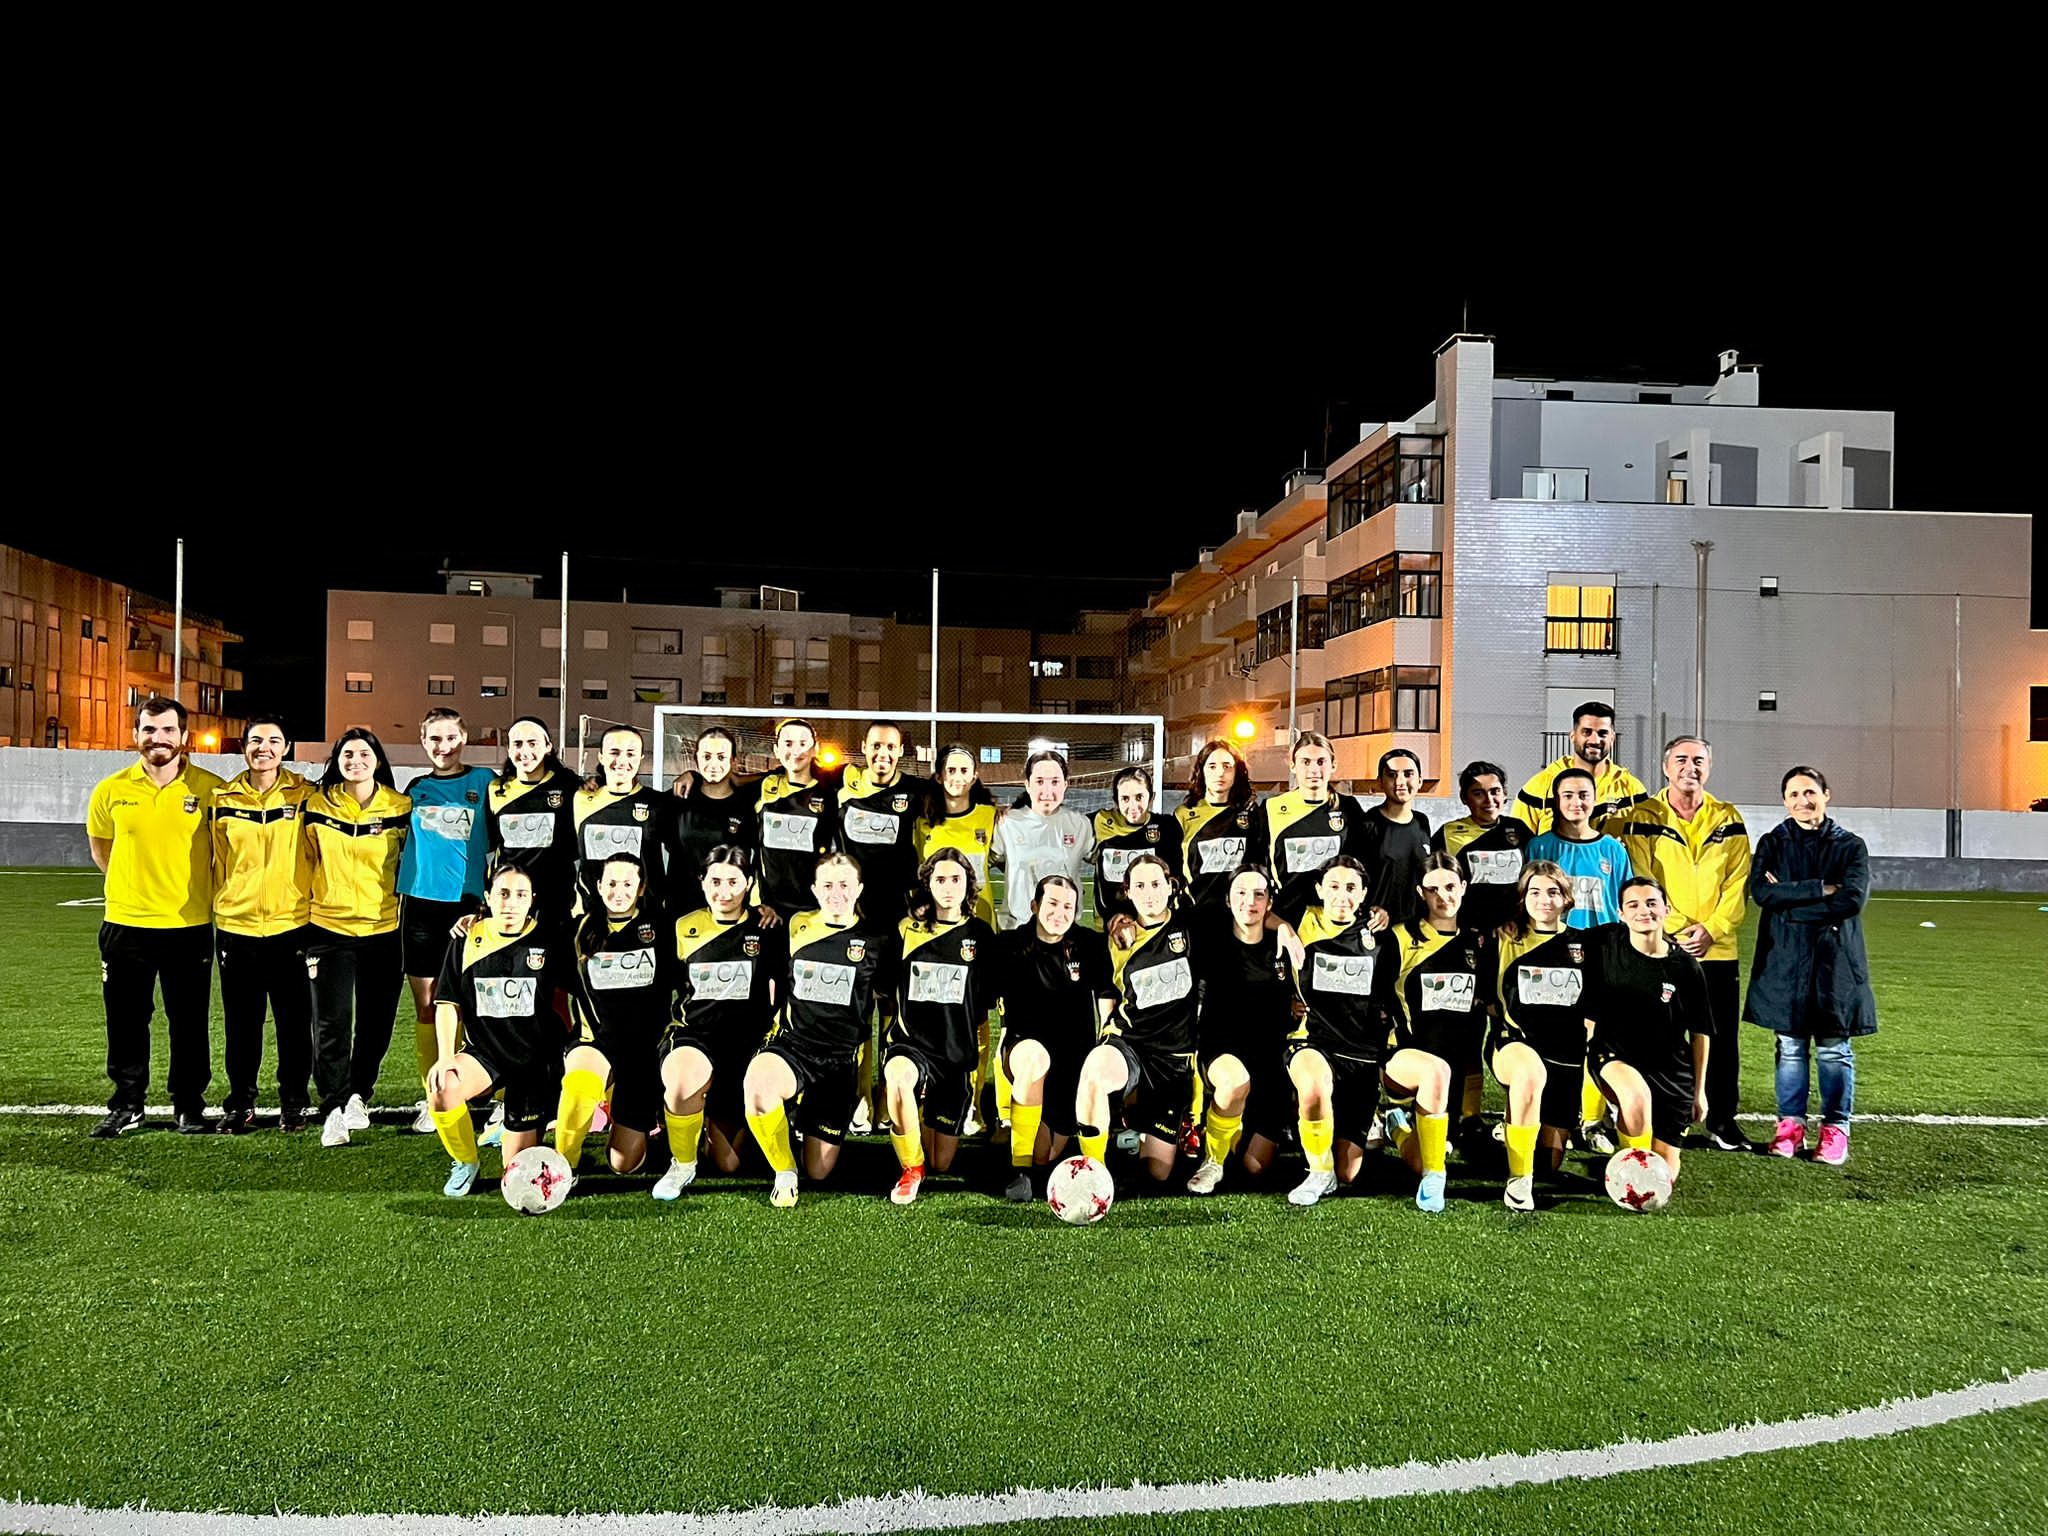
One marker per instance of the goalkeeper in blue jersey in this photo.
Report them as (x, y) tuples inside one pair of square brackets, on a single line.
[(1595, 864)]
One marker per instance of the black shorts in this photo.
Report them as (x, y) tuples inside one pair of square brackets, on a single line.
[(425, 930), (1161, 1089), (1455, 1043), (1354, 1089), (1670, 1096), (725, 1102), (1559, 1104), (531, 1091), (1270, 1108), (827, 1086), (1062, 1081), (945, 1090), (636, 1076)]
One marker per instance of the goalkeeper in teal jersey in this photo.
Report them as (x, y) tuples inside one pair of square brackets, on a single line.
[(1595, 864)]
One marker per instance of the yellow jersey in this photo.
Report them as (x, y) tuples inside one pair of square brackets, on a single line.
[(160, 872), (1703, 864), (355, 859), (262, 859)]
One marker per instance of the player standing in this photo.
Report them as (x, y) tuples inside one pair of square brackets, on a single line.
[(1396, 841), (1595, 863), (795, 822), (1125, 830), (528, 809), (1221, 827), (1310, 825), (712, 810), (1615, 789), (618, 814)]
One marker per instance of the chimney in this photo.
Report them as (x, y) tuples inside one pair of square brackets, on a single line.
[(1737, 382)]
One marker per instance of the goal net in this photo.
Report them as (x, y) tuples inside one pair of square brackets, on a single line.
[(1095, 746)]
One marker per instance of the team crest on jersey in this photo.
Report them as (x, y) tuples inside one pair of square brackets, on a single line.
[(639, 813), (469, 795), (536, 959), (856, 950), (1066, 839), (732, 826), (816, 803), (1073, 970), (191, 804), (1577, 952), (1336, 821), (749, 946), (647, 933), (899, 803), (554, 799), (1471, 959), (981, 834), (373, 829), (967, 949), (1244, 820), (1606, 868), (1668, 992), (1177, 942), (1151, 834), (291, 813)]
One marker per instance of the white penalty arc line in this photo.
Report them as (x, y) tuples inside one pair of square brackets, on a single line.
[(919, 1511)]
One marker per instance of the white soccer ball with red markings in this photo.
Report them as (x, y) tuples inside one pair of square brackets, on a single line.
[(1638, 1180), (1079, 1191), (536, 1181)]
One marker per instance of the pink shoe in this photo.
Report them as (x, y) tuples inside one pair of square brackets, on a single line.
[(1790, 1137), (1834, 1145)]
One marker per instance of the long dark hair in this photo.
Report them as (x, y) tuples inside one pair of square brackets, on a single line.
[(1240, 781), (591, 932), (331, 781), (922, 905), (550, 764)]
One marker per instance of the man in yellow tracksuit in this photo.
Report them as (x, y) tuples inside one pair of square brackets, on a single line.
[(1615, 789), (1697, 848)]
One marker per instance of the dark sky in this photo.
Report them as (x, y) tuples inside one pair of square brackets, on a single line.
[(1063, 396)]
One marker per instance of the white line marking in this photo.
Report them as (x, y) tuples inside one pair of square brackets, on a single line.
[(919, 1511), (2017, 899)]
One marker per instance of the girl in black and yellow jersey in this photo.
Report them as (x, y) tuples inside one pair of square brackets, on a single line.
[(713, 809), (1222, 826), (1147, 1052), (962, 814), (1536, 1043), (1444, 986), (624, 992), (729, 970), (1130, 828), (1246, 1014), (529, 812), (615, 813), (494, 1028), (1310, 825), (355, 828), (928, 1055), (1337, 1055), (838, 963), (1652, 1025), (796, 816), (1057, 989)]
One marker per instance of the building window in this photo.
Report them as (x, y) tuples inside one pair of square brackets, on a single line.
[(362, 629), (711, 671), (713, 645), (991, 666), (441, 685), (85, 628), (551, 688), (870, 653), (1389, 699), (497, 634), (991, 754), (658, 690), (1560, 394), (596, 688), (1408, 585), (356, 682), (6, 676), (659, 642), (1401, 469), (1652, 397), (492, 688), (1555, 485), (597, 639), (2037, 713), (1275, 636), (785, 671), (550, 638), (212, 696), (813, 699), (1767, 698), (1580, 619), (1096, 668), (782, 696), (440, 634)]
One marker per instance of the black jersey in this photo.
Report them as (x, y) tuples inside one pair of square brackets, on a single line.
[(945, 983), (1247, 996), (1490, 860), (793, 825), (1051, 991), (1304, 835), (1117, 842), (1540, 994), (504, 986), (696, 824), (1645, 1009), (878, 826), (724, 975), (1216, 842), (532, 827), (1155, 986), (625, 987), (1398, 849), (608, 823), (1348, 981), (1444, 991), (835, 975)]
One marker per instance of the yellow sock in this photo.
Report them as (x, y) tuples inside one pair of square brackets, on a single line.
[(1592, 1102), (1317, 1138), (458, 1132), (685, 1133), (909, 1145), (1640, 1140), (1024, 1122), (1219, 1134), (772, 1132), (1096, 1146), (1403, 1131), (1521, 1150), (582, 1092), (1435, 1131)]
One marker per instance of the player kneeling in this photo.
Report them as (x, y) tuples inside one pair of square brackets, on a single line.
[(929, 1054), (838, 961), (624, 983), (726, 990), (1438, 1021), (1536, 1046), (1246, 1017), (494, 994)]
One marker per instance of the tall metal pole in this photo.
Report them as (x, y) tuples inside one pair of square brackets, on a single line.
[(1294, 657), (562, 693), (1700, 548), (178, 628), (1955, 727), (933, 734)]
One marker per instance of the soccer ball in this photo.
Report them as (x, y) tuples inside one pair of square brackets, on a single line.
[(536, 1181), (1638, 1180), (1080, 1191)]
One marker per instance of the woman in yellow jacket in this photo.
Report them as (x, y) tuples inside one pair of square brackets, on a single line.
[(356, 827)]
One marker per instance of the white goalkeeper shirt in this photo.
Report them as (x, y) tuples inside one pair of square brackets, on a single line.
[(1030, 847)]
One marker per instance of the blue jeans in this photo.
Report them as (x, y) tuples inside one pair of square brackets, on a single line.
[(1837, 1059)]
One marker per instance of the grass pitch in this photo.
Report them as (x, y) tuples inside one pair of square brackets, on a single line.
[(247, 1323)]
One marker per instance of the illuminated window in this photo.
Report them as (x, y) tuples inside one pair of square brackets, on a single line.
[(1580, 618)]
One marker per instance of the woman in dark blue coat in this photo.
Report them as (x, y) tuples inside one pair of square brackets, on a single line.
[(1810, 979)]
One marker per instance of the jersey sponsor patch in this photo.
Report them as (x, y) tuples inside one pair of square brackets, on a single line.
[(1306, 853), (1219, 855), (452, 822), (1586, 892), (601, 840), (1494, 866), (1116, 862), (789, 832), (934, 981), (1548, 986), (622, 970), (819, 981), (505, 997), (875, 828), (526, 829), (1157, 985), (1350, 974), (1448, 992), (721, 981)]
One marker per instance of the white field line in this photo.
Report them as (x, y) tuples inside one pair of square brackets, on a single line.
[(920, 1511)]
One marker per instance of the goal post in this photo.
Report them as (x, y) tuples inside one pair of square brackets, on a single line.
[(1095, 746)]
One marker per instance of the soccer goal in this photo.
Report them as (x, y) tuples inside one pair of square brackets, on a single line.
[(1095, 746)]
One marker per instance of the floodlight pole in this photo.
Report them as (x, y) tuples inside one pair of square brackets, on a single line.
[(562, 696), (178, 628), (1294, 649), (932, 736), (1700, 549)]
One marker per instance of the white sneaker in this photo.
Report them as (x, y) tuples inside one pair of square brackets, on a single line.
[(675, 1181), (862, 1122), (1319, 1183), (1376, 1133), (1596, 1138), (782, 1193), (356, 1114), (1203, 1180), (334, 1133), (971, 1126), (423, 1122), (1520, 1193)]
